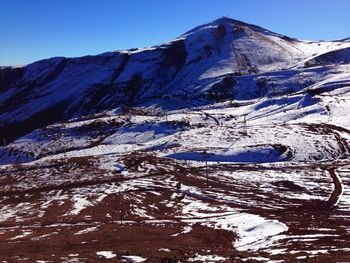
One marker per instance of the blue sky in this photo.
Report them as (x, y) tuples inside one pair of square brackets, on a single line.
[(35, 29)]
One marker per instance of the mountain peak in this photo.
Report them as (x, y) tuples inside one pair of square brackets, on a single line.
[(224, 20), (230, 22)]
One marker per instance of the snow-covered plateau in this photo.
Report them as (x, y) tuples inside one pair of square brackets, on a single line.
[(230, 143)]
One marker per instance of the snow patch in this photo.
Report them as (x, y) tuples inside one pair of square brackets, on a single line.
[(207, 258), (106, 254), (133, 259)]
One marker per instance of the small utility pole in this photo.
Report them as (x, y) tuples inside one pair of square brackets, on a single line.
[(121, 212), (205, 156), (245, 128)]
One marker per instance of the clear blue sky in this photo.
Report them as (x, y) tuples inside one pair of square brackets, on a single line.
[(35, 29)]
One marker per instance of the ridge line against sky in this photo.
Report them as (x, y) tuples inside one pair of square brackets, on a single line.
[(38, 29)]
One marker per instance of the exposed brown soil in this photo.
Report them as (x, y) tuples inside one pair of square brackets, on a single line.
[(54, 236)]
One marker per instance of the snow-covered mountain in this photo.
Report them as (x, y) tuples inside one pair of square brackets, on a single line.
[(230, 130), (198, 68)]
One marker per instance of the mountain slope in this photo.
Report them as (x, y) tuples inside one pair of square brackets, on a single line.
[(178, 74)]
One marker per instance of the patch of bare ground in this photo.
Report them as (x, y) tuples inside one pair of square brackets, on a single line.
[(70, 209), (123, 239)]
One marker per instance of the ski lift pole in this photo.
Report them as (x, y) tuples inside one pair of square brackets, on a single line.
[(245, 128), (206, 170), (205, 157)]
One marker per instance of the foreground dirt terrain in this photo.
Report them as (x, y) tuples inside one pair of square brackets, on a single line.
[(159, 209)]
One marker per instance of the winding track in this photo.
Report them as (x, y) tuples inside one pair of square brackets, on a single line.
[(338, 188)]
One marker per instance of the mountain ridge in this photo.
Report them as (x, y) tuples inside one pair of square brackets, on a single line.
[(184, 68)]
